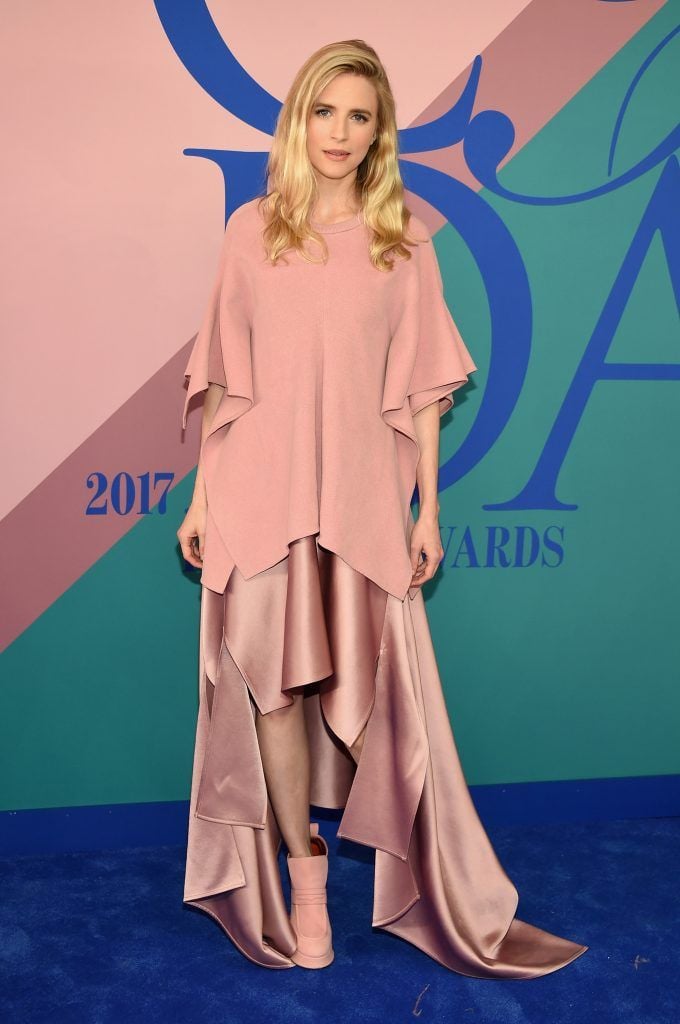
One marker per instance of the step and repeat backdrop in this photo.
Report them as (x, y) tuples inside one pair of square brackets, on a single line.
[(538, 140)]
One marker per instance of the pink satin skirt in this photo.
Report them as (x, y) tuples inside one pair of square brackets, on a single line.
[(363, 658)]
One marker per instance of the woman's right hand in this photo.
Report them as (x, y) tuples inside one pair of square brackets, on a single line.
[(191, 534)]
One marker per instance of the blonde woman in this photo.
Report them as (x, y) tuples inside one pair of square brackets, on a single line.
[(326, 357)]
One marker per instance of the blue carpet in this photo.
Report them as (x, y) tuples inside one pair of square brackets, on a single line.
[(103, 938)]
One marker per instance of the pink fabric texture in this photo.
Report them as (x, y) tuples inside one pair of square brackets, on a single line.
[(324, 367), (363, 657), (309, 468)]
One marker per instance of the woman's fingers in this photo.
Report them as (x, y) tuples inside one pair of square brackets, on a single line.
[(192, 548), (420, 565), (191, 534), (419, 576), (428, 565)]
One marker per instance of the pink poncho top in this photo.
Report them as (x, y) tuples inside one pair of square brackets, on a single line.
[(324, 366)]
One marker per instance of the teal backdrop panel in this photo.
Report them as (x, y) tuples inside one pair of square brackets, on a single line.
[(570, 667)]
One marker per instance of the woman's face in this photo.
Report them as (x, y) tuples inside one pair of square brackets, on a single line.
[(342, 119)]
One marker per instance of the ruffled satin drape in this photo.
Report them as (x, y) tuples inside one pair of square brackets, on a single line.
[(363, 656)]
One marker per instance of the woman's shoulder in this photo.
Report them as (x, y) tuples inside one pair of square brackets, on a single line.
[(417, 240), (417, 231)]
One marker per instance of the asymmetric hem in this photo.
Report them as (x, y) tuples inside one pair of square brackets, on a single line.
[(310, 466), (323, 366), (361, 656)]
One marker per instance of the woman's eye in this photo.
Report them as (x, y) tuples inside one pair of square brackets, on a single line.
[(325, 110)]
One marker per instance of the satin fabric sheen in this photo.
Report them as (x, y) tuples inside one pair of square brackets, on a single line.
[(362, 656)]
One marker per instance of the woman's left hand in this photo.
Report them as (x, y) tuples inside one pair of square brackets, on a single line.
[(425, 538)]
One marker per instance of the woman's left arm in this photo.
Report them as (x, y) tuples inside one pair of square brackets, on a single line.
[(425, 536)]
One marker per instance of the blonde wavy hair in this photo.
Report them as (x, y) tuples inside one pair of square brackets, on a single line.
[(291, 187)]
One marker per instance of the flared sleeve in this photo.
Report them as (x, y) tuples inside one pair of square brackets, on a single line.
[(442, 362), (221, 350), (427, 359)]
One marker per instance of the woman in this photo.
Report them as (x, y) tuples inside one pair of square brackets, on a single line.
[(327, 356)]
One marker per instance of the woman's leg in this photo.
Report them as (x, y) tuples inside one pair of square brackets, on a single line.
[(282, 737), (284, 750)]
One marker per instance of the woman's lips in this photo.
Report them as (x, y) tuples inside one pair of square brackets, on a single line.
[(336, 154)]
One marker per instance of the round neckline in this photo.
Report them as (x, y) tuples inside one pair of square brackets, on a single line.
[(340, 225)]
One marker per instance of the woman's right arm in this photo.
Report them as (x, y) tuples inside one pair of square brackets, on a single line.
[(191, 533)]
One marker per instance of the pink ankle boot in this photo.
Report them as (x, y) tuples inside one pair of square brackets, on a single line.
[(309, 914)]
